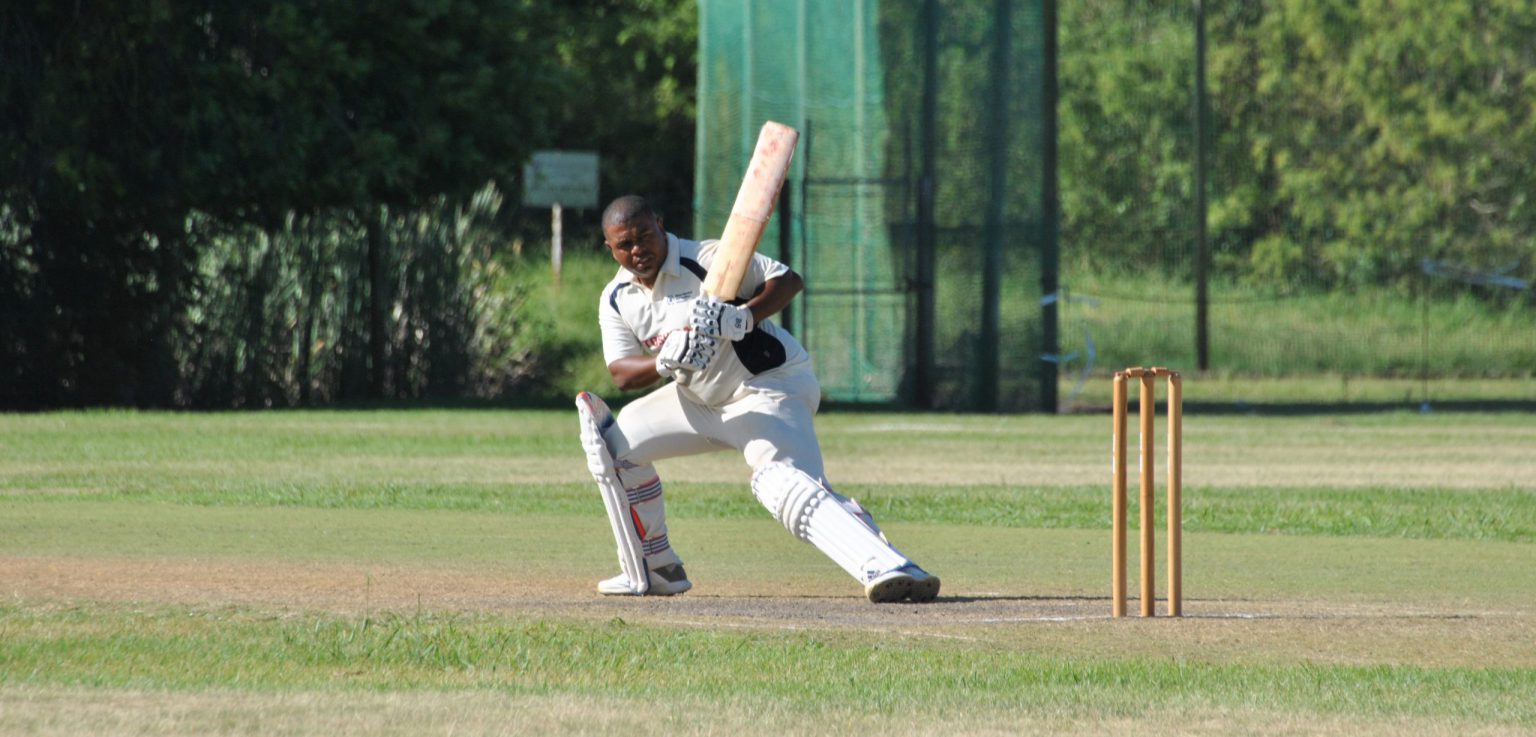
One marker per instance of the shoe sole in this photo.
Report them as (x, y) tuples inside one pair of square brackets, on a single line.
[(905, 588), (891, 590), (924, 591), (658, 591), (655, 590)]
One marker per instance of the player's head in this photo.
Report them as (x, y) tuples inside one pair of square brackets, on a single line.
[(632, 231)]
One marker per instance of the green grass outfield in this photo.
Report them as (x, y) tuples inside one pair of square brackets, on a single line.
[(431, 572)]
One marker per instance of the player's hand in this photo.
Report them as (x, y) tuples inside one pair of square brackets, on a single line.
[(684, 354), (720, 320)]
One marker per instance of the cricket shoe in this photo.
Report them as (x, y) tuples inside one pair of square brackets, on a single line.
[(907, 582), (667, 580)]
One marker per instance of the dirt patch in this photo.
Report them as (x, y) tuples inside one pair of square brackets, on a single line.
[(348, 588), (353, 588)]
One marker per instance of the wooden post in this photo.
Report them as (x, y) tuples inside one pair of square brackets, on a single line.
[(1117, 500), (556, 246), (1175, 494), (1147, 402)]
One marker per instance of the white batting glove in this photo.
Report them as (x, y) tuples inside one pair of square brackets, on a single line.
[(670, 358), (718, 319), (684, 354)]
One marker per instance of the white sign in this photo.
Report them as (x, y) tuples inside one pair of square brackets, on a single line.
[(566, 178)]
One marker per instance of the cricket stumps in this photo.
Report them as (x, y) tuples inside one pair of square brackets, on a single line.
[(1147, 402)]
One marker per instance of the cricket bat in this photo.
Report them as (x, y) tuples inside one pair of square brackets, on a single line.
[(754, 205)]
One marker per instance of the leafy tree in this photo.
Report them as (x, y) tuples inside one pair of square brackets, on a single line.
[(1125, 155), (1349, 140), (1382, 133), (630, 71), (121, 120)]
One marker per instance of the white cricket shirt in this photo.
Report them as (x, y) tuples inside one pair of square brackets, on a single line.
[(636, 320)]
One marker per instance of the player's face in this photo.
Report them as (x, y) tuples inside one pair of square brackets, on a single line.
[(639, 245)]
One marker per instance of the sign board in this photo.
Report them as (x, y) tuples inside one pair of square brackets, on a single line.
[(567, 178)]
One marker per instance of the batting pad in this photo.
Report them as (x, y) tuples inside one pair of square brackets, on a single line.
[(595, 418), (820, 517)]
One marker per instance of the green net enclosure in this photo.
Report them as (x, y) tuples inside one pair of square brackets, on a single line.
[(918, 208), (1367, 236)]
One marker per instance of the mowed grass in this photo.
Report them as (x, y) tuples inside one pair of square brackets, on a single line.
[(1445, 475), (1346, 574), (821, 677)]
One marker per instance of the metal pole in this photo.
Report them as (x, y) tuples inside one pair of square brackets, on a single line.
[(858, 340), (927, 236), (786, 244), (1202, 248), (1050, 246), (987, 368), (788, 229), (749, 119), (706, 113)]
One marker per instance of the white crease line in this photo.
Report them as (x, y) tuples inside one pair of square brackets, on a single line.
[(938, 635)]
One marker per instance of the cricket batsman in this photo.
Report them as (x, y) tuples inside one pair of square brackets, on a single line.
[(730, 379)]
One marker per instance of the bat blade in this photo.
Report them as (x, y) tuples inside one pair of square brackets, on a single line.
[(754, 206)]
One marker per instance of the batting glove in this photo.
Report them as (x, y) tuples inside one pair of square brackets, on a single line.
[(720, 320), (684, 354)]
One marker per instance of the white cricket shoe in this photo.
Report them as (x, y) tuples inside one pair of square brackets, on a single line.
[(907, 582), (665, 581)]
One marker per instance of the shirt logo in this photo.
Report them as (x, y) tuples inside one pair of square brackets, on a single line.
[(673, 299)]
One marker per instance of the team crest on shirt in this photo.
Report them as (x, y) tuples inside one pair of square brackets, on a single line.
[(654, 342)]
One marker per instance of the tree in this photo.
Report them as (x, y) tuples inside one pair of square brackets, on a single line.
[(121, 120), (630, 94), (1383, 133)]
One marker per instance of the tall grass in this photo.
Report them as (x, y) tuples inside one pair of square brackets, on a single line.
[(283, 321), (350, 304), (559, 337)]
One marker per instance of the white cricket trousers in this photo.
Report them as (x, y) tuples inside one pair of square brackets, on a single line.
[(772, 423)]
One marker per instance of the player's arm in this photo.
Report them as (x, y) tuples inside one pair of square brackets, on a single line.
[(682, 356), (775, 295), (776, 286), (628, 363), (634, 372)]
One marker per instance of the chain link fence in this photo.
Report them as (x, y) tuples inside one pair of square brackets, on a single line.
[(999, 202)]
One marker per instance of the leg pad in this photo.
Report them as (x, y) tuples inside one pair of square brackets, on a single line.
[(824, 519)]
